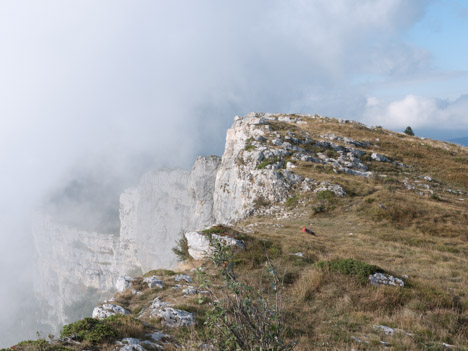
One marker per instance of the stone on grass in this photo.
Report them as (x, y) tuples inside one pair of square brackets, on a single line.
[(385, 279), (175, 318), (153, 281), (380, 158), (180, 277)]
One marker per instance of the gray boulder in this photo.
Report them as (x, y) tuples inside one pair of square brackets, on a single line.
[(108, 310), (153, 281)]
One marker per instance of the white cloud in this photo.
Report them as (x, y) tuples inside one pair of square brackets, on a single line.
[(418, 112)]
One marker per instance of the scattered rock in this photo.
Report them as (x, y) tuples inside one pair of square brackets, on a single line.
[(334, 188), (385, 279), (108, 310), (158, 303), (181, 277), (133, 347), (175, 318), (190, 290), (391, 331), (158, 336), (380, 158), (153, 281), (385, 329)]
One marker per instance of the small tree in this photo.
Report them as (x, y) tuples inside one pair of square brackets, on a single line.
[(409, 131), (243, 317)]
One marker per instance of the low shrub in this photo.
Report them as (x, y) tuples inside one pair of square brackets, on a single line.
[(348, 266), (90, 329)]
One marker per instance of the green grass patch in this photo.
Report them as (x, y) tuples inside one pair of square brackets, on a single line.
[(161, 272), (266, 162)]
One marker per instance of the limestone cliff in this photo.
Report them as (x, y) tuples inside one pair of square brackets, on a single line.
[(74, 265)]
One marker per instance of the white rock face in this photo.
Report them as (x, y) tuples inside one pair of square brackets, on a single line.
[(74, 264), (162, 205), (123, 283), (240, 183)]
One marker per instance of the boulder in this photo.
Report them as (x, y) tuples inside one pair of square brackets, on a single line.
[(108, 310), (175, 318), (380, 158)]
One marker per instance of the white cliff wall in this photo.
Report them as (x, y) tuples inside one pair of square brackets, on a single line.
[(68, 262), (165, 203), (71, 262)]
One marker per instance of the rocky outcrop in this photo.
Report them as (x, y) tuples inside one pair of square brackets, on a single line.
[(251, 171)]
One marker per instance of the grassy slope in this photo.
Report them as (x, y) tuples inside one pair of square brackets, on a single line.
[(423, 237)]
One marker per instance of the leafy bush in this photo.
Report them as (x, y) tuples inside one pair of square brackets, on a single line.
[(181, 248), (106, 330), (348, 266), (90, 329)]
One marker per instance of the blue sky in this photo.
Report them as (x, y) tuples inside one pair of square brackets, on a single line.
[(442, 31)]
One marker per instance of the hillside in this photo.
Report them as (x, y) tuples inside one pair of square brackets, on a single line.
[(377, 202)]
